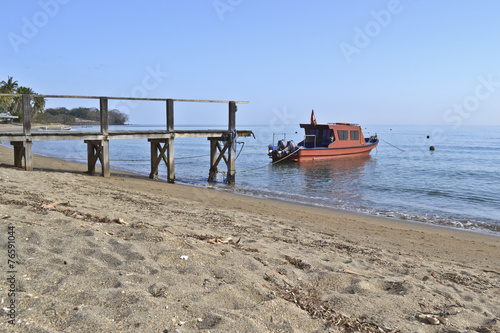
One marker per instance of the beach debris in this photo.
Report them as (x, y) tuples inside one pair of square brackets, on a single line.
[(476, 283), (353, 273), (51, 205), (120, 221), (214, 239), (308, 301), (297, 263), (432, 319), (219, 240), (157, 291), (184, 257)]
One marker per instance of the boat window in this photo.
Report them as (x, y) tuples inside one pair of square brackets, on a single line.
[(343, 134), (354, 135), (331, 137)]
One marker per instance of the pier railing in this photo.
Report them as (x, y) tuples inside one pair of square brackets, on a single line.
[(162, 141)]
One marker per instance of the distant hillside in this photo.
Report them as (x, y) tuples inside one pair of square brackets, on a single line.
[(78, 116)]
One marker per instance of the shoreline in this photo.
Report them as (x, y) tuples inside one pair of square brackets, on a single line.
[(80, 167), (127, 252), (115, 171)]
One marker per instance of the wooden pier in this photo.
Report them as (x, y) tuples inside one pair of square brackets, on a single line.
[(222, 142)]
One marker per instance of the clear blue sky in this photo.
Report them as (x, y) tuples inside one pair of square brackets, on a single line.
[(371, 62)]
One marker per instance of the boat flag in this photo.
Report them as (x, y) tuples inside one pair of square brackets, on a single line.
[(313, 118)]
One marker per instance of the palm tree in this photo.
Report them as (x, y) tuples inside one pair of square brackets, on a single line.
[(8, 87), (37, 103)]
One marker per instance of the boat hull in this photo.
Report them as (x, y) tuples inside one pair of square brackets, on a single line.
[(320, 154)]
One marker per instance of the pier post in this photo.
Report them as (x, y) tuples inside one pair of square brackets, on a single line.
[(26, 114), (103, 146), (25, 149), (106, 171), (231, 164), (103, 106), (212, 174), (170, 143)]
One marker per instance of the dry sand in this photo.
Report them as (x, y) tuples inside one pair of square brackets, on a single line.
[(129, 254)]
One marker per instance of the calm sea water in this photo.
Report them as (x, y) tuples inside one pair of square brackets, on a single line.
[(457, 184)]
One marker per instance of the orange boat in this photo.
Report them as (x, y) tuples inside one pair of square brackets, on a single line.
[(323, 142)]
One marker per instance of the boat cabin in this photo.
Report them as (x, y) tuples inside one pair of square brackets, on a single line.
[(333, 135)]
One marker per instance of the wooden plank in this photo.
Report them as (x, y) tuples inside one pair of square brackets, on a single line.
[(231, 163), (170, 161), (28, 155), (159, 154), (118, 135), (18, 153), (128, 98), (106, 171), (98, 150), (23, 150), (26, 114), (212, 173), (223, 154), (154, 165), (170, 115), (165, 153), (103, 106), (93, 154)]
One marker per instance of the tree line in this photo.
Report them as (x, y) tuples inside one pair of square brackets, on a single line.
[(65, 116), (62, 115)]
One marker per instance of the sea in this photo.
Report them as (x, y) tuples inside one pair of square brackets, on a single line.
[(456, 185)]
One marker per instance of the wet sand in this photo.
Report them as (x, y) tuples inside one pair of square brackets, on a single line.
[(129, 254)]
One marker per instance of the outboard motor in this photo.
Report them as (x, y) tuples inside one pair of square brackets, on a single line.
[(290, 148), (279, 150), (281, 145), (282, 149)]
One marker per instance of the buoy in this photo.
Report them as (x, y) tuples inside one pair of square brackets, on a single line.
[(432, 148), (428, 136)]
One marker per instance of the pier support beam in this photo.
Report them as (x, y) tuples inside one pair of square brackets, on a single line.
[(217, 153), (23, 149), (231, 163), (98, 150), (165, 153)]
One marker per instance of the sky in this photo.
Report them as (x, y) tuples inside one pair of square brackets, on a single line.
[(407, 62)]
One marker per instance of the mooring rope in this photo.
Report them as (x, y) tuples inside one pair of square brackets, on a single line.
[(275, 162), (390, 144)]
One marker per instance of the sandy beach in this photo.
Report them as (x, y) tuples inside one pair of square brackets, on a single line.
[(129, 254)]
